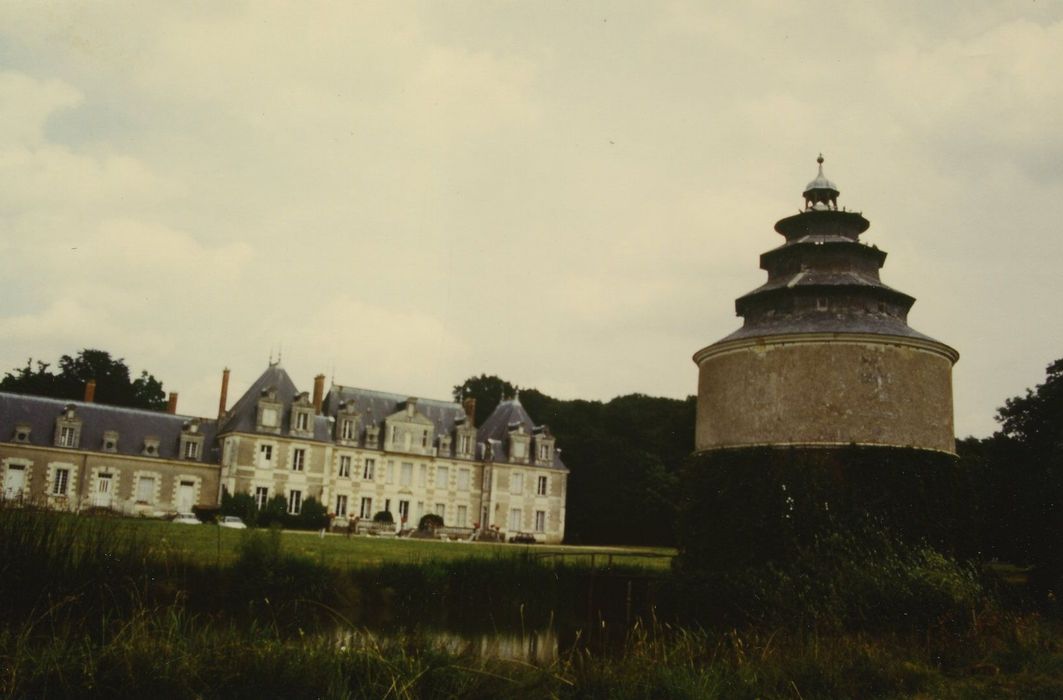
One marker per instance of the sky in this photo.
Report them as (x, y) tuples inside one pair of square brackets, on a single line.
[(568, 195)]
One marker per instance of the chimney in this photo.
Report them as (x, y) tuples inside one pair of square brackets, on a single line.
[(319, 392), (90, 390), (171, 407), (224, 392), (470, 410)]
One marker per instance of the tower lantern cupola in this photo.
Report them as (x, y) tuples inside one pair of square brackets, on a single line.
[(821, 191)]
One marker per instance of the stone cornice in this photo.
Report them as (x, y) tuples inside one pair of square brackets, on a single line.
[(729, 346)]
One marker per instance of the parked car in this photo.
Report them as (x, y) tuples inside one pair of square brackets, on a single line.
[(186, 519), (232, 521)]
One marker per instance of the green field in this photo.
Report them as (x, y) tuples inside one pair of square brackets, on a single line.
[(212, 544)]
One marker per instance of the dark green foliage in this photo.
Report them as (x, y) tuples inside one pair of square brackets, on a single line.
[(276, 511), (241, 505), (383, 516), (1017, 476), (750, 506), (113, 383), (430, 521), (312, 516), (489, 391)]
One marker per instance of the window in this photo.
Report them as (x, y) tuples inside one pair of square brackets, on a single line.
[(391, 472), (441, 511), (463, 516), (295, 502), (516, 483), (442, 477), (347, 429), (387, 505), (367, 470), (422, 476), (266, 453), (518, 450), (544, 452), (424, 439), (269, 417), (404, 511), (261, 496), (301, 421), (68, 436), (341, 506), (540, 521), (464, 444), (540, 487), (463, 480), (367, 508), (345, 466), (60, 481), (191, 450), (146, 489), (298, 459), (406, 476), (420, 510), (514, 519), (821, 304)]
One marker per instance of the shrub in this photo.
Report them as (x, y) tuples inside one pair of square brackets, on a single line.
[(313, 516), (383, 516), (430, 522)]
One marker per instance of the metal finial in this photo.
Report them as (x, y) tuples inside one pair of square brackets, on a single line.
[(820, 159)]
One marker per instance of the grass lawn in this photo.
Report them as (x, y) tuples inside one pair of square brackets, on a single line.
[(209, 543)]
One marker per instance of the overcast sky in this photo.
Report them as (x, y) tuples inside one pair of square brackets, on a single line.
[(568, 195)]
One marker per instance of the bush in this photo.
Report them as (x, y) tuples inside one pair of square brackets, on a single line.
[(430, 522), (383, 516), (276, 511), (313, 516)]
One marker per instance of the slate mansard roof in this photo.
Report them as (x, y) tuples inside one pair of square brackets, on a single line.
[(243, 416), (132, 425), (497, 426), (378, 405)]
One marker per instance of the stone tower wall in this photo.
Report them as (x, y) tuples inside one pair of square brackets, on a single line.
[(825, 389)]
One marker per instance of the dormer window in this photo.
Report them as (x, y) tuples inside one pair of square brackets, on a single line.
[(302, 420), (269, 417), (346, 429), (22, 432), (191, 440), (110, 441), (151, 447), (68, 428)]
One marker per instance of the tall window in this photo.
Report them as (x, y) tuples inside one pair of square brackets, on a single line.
[(463, 480), (463, 516), (540, 488), (301, 421), (442, 477), (404, 511), (60, 482), (261, 496), (406, 475), (367, 470), (146, 489), (514, 519), (441, 511), (544, 452), (68, 436), (391, 472), (367, 508), (464, 444), (345, 466), (266, 453), (347, 429), (424, 439), (422, 476), (298, 459), (295, 502), (516, 483), (341, 506), (191, 449)]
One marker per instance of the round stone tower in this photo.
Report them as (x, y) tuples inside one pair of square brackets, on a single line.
[(825, 356)]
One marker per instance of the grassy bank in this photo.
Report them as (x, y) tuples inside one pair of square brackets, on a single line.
[(103, 608), (213, 545)]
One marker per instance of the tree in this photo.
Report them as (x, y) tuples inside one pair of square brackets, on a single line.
[(489, 391), (113, 383)]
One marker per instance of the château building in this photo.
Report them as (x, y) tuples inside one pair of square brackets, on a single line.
[(357, 451), (825, 356)]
